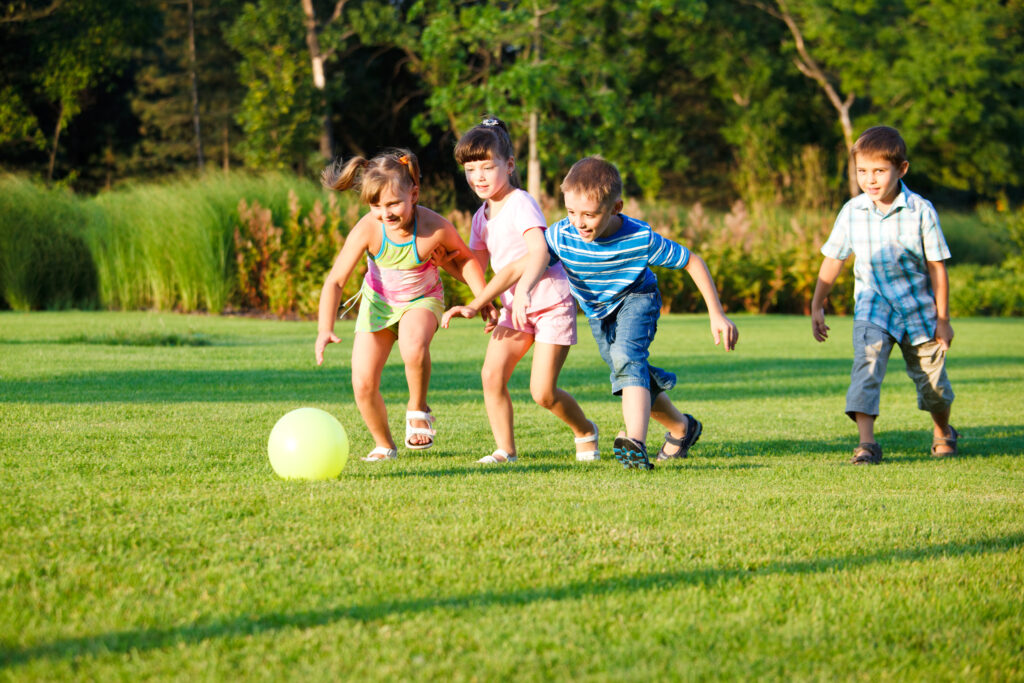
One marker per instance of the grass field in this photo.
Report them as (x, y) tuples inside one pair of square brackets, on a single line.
[(145, 536)]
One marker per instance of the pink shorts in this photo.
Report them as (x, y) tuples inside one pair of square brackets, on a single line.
[(554, 325)]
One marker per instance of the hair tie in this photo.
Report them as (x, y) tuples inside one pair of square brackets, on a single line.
[(404, 160), (490, 122)]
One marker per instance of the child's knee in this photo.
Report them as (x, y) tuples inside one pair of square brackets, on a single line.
[(544, 396), (492, 378), (364, 385)]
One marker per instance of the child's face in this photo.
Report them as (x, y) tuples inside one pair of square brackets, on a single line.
[(879, 178), (394, 208), (590, 218), (489, 178)]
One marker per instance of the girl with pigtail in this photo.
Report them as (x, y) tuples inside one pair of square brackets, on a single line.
[(401, 298), (509, 225)]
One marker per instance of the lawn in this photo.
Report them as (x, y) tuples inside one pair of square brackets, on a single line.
[(145, 536)]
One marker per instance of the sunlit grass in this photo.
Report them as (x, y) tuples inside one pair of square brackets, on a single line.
[(145, 535)]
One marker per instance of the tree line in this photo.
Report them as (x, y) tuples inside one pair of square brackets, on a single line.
[(758, 99)]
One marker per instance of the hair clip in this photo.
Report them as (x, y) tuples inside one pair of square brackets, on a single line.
[(490, 122), (404, 160)]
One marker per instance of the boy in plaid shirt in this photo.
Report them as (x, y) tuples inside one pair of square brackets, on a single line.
[(901, 291)]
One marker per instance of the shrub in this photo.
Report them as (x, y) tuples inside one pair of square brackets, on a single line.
[(44, 262)]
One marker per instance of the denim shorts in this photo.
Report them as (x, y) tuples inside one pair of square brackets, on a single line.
[(624, 337)]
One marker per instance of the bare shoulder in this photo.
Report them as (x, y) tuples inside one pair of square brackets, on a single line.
[(365, 233), (433, 226)]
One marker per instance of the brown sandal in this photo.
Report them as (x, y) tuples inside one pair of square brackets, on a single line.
[(947, 441), (867, 454)]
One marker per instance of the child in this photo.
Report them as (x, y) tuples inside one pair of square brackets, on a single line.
[(901, 292), (606, 257), (401, 297), (507, 226)]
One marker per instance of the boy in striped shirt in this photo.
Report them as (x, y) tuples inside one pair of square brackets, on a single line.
[(606, 256), (901, 291)]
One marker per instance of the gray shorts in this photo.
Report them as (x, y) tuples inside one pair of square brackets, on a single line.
[(926, 365)]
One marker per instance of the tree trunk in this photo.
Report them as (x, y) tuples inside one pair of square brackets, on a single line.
[(533, 180), (56, 140), (194, 76), (810, 68), (319, 79)]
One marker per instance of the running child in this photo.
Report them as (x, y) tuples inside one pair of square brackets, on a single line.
[(506, 227), (401, 298), (607, 257)]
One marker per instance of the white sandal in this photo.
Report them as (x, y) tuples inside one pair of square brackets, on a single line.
[(498, 457), (589, 456), (380, 453), (410, 431)]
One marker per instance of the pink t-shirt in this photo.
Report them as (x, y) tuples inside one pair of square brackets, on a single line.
[(502, 236)]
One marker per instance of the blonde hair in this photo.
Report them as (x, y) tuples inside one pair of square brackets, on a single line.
[(596, 179), (395, 168), (487, 140)]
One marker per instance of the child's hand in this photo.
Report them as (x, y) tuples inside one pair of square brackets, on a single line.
[(520, 302), (441, 256), (818, 326), (461, 311), (724, 331), (944, 334), (322, 340), (490, 317)]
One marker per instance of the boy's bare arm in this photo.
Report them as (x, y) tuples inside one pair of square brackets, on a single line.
[(940, 286), (722, 329), (827, 274)]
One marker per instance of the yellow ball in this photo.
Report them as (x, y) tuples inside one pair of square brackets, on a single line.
[(308, 443)]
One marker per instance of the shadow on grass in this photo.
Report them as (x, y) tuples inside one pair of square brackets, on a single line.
[(718, 378), (135, 641), (906, 445)]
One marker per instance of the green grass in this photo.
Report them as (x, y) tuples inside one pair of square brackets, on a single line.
[(145, 535)]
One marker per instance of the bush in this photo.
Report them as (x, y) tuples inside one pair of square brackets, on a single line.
[(44, 262)]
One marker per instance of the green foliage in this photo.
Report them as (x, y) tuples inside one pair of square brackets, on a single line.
[(282, 269), (44, 261), (276, 113)]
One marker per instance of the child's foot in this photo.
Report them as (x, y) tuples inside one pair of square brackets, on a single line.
[(679, 446), (380, 453), (944, 444), (583, 453), (867, 454), (631, 453), (419, 429), (498, 457)]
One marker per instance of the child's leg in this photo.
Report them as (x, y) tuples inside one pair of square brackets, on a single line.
[(926, 365), (871, 348), (504, 351), (636, 411), (670, 417), (370, 350), (548, 360), (415, 331)]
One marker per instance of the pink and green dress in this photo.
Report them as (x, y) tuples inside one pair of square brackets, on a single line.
[(397, 281)]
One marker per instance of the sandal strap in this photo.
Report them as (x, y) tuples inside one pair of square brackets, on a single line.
[(382, 452), (492, 460), (588, 439)]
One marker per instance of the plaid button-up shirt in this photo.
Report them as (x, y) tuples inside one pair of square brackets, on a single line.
[(892, 288)]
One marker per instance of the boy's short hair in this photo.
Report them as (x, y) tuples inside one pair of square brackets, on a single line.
[(881, 141), (596, 179)]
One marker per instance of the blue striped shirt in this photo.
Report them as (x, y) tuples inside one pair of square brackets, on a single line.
[(892, 287), (601, 273)]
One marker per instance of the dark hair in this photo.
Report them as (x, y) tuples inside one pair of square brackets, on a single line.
[(395, 168), (881, 141), (487, 140), (594, 178)]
